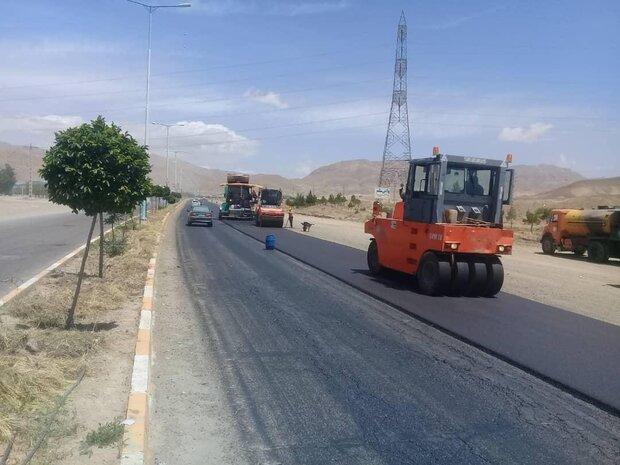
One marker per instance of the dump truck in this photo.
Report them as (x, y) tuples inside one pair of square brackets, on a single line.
[(596, 231), (268, 210), (239, 197), (447, 230)]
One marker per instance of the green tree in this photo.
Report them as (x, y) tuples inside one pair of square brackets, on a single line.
[(532, 219), (339, 199), (7, 179), (311, 199), (511, 215), (544, 212), (354, 202), (97, 168), (331, 199), (323, 200)]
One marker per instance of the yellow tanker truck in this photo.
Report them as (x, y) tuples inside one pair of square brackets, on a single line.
[(595, 231)]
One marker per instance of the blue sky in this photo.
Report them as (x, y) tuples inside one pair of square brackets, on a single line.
[(287, 86)]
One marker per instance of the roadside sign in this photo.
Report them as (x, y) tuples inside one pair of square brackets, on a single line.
[(382, 193)]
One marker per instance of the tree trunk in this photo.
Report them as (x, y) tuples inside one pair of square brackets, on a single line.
[(71, 314), (101, 244), (531, 227)]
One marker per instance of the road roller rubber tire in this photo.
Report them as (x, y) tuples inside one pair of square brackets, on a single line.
[(460, 277), (495, 276), (477, 278), (434, 275), (372, 258)]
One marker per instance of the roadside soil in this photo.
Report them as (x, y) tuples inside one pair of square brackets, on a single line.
[(561, 280), (102, 344), (14, 207)]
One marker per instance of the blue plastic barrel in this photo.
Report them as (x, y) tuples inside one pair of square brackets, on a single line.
[(270, 242)]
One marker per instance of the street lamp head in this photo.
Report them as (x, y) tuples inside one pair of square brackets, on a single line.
[(184, 5)]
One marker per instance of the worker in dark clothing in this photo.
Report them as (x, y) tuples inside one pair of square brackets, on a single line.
[(290, 217), (401, 192), (472, 185)]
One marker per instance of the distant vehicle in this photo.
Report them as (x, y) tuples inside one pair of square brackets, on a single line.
[(196, 203), (268, 209), (199, 215), (595, 231), (239, 197), (447, 230)]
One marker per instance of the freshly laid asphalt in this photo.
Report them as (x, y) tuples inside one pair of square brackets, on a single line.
[(315, 372), (580, 353), (29, 245)]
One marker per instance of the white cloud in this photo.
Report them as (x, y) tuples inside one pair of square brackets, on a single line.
[(201, 143), (268, 98), (38, 130), (529, 134), (269, 7)]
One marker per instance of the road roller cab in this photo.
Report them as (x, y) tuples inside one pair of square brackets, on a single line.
[(447, 229)]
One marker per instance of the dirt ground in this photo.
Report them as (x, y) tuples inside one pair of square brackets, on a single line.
[(14, 207), (561, 280)]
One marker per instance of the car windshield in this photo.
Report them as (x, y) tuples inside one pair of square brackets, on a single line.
[(470, 181), (270, 197)]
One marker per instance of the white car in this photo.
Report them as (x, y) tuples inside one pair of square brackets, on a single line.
[(196, 203)]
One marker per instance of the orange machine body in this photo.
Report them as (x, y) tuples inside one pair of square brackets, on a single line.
[(402, 243)]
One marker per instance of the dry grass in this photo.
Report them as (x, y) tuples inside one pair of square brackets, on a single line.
[(38, 358)]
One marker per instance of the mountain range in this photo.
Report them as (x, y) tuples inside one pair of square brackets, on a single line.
[(350, 176)]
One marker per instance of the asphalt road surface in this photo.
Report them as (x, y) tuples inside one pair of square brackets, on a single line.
[(578, 352), (28, 245), (260, 359)]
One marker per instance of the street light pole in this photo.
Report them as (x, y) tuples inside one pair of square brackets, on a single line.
[(177, 173), (168, 126), (151, 9)]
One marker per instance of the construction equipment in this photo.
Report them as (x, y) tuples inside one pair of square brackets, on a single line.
[(447, 230), (268, 210), (596, 230), (239, 197)]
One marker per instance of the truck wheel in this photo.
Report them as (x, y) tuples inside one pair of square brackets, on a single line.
[(579, 251), (434, 275), (477, 278), (548, 245), (495, 276), (372, 257), (597, 252)]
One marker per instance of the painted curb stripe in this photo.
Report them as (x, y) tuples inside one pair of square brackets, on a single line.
[(134, 438)]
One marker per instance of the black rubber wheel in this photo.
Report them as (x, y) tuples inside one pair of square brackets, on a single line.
[(548, 245), (209, 225), (579, 251), (495, 276), (597, 252), (434, 275), (460, 278), (280, 223), (477, 278), (372, 257)]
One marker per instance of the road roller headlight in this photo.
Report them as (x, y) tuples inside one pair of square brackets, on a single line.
[(452, 246), (500, 248)]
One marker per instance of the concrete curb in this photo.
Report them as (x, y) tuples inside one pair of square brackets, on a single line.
[(26, 284), (134, 439)]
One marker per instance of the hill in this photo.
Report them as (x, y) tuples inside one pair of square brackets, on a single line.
[(351, 176), (585, 188)]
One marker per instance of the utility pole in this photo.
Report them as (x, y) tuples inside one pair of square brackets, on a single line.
[(177, 171), (397, 149), (151, 9), (168, 126), (30, 171)]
